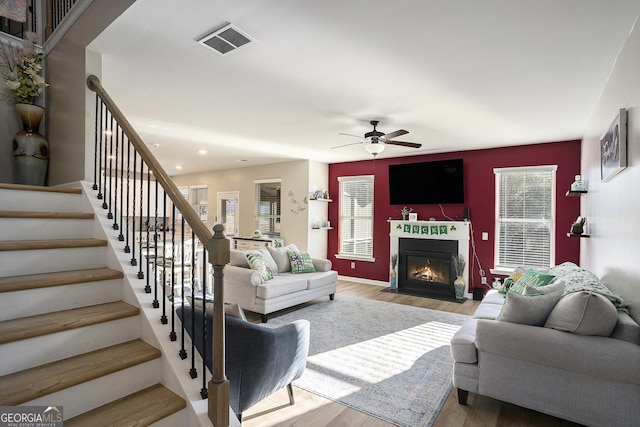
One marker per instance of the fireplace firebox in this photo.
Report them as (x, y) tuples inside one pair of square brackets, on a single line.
[(425, 267)]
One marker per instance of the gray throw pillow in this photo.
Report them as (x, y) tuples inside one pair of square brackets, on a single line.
[(238, 258), (556, 286), (528, 309), (584, 313), (281, 256)]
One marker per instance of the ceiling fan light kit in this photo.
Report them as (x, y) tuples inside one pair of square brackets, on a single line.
[(375, 141), (374, 148)]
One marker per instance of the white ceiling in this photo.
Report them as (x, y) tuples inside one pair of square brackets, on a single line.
[(457, 74)]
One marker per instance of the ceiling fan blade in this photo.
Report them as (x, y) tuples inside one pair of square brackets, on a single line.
[(404, 144), (392, 135), (350, 134), (346, 145)]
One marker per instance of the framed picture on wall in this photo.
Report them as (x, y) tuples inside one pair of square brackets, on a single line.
[(613, 147)]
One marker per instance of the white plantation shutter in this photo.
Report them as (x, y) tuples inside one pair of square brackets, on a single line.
[(267, 207), (356, 216), (525, 217)]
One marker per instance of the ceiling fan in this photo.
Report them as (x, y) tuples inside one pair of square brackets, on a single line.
[(375, 141)]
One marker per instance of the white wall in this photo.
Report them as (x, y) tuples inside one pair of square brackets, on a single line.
[(613, 208)]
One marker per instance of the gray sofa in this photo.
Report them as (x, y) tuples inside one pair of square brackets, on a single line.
[(579, 361), (248, 288)]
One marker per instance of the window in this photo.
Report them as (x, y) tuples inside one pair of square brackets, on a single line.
[(525, 217), (199, 200), (356, 217), (267, 213)]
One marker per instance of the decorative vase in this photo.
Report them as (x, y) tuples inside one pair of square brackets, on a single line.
[(393, 284), (458, 284), (30, 149), (577, 229)]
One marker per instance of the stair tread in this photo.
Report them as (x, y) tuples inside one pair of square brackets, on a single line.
[(58, 278), (141, 408), (25, 245), (48, 323), (6, 186), (39, 215), (20, 387)]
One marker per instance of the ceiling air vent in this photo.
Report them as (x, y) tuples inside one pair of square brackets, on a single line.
[(225, 39)]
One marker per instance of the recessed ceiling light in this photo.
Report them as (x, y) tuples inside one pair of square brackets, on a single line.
[(179, 167), (202, 151), (242, 160), (156, 145)]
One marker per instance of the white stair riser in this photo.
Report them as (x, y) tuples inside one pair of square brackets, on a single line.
[(39, 201), (13, 263), (36, 229), (55, 298), (25, 354), (176, 419), (92, 394)]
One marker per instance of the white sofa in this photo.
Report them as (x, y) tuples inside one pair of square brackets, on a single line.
[(248, 289), (581, 362)]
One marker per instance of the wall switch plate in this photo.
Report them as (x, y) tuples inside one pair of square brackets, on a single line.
[(485, 235), (353, 265), (484, 280)]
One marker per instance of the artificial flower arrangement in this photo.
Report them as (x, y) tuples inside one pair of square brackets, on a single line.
[(405, 211), (21, 66)]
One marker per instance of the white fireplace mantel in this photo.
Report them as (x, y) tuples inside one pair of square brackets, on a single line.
[(435, 230)]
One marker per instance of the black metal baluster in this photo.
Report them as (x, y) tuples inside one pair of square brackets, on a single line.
[(133, 211), (156, 303), (95, 148), (172, 335), (115, 192), (203, 391), (127, 249), (140, 272), (193, 372), (163, 318), (147, 286), (101, 132), (109, 197), (121, 236), (183, 352)]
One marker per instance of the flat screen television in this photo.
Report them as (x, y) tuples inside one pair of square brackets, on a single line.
[(437, 182)]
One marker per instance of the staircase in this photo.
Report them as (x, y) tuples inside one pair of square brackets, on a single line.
[(67, 337)]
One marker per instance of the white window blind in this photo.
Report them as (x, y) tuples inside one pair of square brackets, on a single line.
[(356, 216), (267, 208), (525, 217)]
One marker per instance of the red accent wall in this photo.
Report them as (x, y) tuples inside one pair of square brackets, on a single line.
[(479, 197)]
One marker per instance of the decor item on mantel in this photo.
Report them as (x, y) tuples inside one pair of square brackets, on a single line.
[(20, 67), (405, 211), (459, 264), (393, 284)]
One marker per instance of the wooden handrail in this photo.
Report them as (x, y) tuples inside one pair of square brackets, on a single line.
[(217, 246)]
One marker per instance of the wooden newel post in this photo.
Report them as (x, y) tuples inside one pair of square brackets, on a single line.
[(219, 385)]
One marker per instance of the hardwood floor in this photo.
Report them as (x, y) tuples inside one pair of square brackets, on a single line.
[(311, 410)]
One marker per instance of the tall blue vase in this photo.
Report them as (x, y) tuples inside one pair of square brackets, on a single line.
[(30, 149)]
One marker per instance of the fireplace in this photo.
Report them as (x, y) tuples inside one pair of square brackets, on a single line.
[(425, 267)]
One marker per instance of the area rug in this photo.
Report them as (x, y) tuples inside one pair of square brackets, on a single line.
[(389, 360)]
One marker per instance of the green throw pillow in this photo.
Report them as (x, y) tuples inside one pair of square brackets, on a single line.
[(258, 263), (531, 278), (301, 262)]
